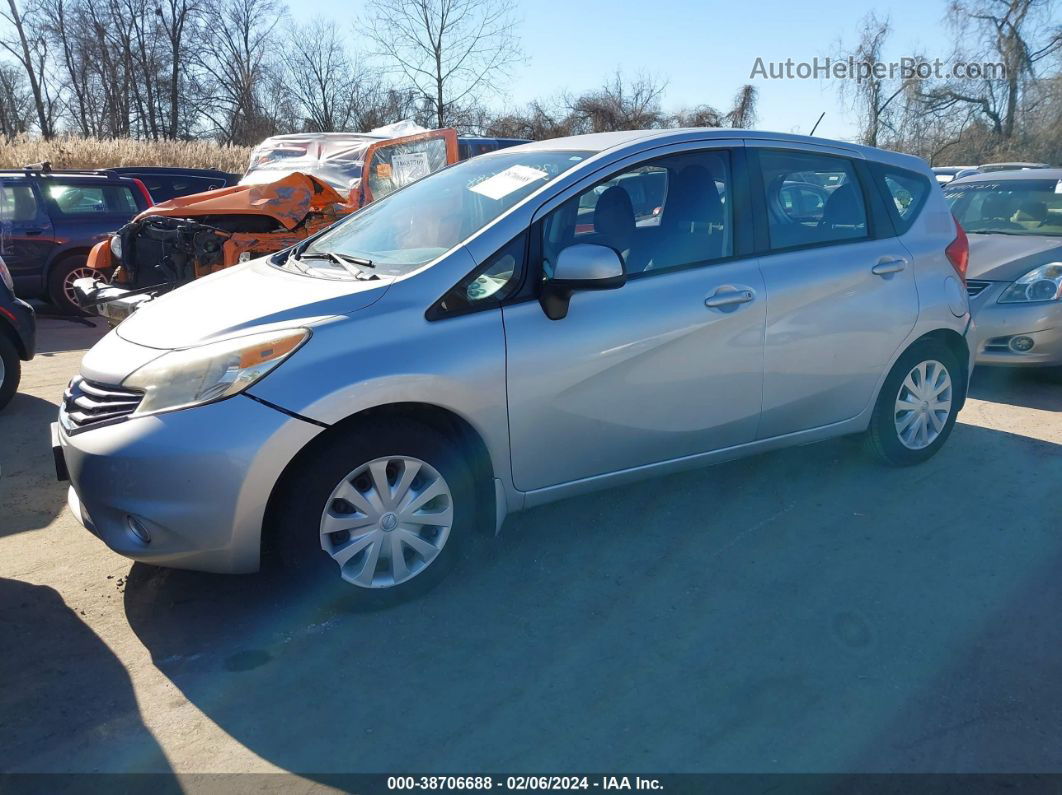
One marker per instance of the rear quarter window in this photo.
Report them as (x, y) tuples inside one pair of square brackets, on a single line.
[(904, 193)]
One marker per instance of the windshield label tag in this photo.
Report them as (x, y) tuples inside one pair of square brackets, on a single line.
[(409, 166), (1058, 186), (505, 182)]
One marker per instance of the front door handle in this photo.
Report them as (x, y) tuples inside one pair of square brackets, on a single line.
[(889, 266), (729, 297), (33, 231)]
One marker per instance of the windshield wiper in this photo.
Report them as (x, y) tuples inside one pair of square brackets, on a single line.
[(353, 265)]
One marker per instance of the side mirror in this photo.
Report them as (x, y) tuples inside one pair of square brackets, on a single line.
[(582, 266)]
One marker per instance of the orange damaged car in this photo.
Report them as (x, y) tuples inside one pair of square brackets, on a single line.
[(295, 186)]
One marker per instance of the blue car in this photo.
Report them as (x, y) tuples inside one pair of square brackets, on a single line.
[(18, 336)]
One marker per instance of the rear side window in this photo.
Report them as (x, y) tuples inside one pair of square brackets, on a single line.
[(812, 199), (905, 194), (73, 199), (17, 203)]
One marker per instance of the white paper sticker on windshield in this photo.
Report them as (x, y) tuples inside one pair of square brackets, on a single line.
[(1058, 186), (409, 166), (505, 182)]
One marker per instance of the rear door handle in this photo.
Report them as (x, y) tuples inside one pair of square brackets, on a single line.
[(729, 297), (33, 231), (889, 266)]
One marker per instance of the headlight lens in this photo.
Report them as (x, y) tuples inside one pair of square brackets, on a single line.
[(1040, 284), (211, 372), (116, 246)]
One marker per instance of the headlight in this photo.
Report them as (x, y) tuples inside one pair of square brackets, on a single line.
[(116, 246), (1040, 284), (211, 372)]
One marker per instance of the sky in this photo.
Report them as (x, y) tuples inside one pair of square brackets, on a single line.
[(703, 50)]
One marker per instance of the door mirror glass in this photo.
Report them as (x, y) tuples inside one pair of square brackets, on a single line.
[(581, 266)]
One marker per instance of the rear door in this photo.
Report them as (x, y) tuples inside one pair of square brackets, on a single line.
[(26, 234), (840, 285), (86, 211)]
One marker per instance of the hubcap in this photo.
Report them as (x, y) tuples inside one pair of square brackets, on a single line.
[(68, 284), (923, 405), (387, 521)]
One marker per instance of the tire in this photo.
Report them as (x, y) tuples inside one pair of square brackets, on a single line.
[(10, 370), (60, 279), (325, 488), (913, 446)]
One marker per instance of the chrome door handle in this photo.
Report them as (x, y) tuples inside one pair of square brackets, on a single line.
[(729, 298), (889, 266)]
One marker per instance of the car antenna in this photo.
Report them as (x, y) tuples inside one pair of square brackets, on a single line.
[(817, 124)]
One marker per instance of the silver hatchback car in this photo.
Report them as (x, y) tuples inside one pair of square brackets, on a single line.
[(521, 327)]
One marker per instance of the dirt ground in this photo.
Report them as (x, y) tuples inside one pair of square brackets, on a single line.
[(806, 610)]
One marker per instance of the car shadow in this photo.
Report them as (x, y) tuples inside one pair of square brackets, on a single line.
[(66, 697), (735, 618), (1026, 388), (30, 496), (57, 333)]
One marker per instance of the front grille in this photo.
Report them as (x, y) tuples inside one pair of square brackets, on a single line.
[(86, 403), (975, 287)]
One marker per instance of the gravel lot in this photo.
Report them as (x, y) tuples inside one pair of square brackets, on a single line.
[(806, 610)]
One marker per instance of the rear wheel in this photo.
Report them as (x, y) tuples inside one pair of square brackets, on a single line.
[(916, 408), (61, 282), (380, 513), (10, 370)]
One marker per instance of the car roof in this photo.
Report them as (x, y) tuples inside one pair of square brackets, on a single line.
[(605, 141), (60, 174), (191, 172), (1006, 176)]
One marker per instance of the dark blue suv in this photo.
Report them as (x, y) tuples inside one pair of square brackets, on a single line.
[(50, 219)]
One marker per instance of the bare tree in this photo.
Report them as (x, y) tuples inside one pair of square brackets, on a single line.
[(621, 106), (320, 75), (449, 51), (1019, 35), (16, 103), (30, 49), (743, 113), (234, 67), (871, 95)]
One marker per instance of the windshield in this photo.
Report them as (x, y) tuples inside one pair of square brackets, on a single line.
[(419, 223), (1013, 207)]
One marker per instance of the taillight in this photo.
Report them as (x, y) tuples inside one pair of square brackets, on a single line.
[(143, 189), (958, 251)]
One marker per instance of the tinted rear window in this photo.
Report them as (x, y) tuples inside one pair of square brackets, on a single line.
[(85, 199)]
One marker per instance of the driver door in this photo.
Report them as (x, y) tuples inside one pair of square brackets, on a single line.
[(648, 372)]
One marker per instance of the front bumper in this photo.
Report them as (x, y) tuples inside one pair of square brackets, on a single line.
[(196, 481), (113, 303), (1000, 325)]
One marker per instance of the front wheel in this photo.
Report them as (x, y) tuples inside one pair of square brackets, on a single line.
[(380, 512), (916, 408)]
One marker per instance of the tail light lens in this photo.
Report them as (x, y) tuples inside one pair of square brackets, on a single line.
[(958, 251), (143, 189)]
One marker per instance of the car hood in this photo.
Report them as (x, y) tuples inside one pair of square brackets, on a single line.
[(1003, 258), (253, 296)]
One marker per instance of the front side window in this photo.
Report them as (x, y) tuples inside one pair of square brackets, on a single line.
[(811, 199), (1010, 207), (423, 221), (668, 213), (79, 199)]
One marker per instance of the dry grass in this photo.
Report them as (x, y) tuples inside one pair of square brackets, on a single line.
[(75, 152)]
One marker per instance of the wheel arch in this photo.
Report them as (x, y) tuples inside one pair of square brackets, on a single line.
[(442, 420), (959, 348), (9, 333)]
